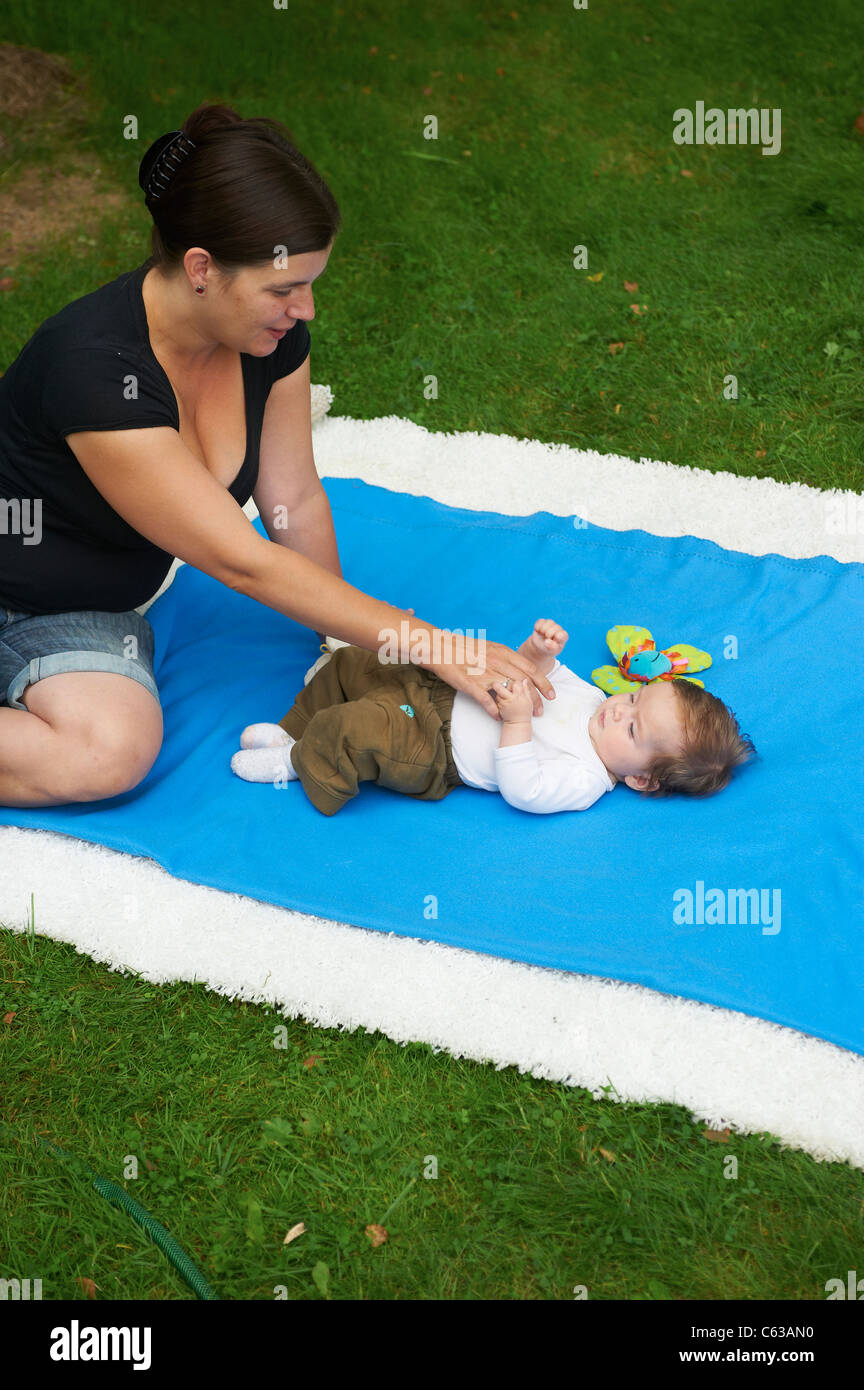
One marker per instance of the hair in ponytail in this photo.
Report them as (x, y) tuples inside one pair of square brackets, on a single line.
[(238, 188)]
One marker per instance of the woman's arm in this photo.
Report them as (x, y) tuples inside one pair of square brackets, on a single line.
[(310, 532), (293, 507), (165, 493), (340, 610)]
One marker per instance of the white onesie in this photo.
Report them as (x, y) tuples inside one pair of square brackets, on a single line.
[(558, 770)]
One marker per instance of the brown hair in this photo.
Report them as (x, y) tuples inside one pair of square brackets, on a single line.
[(242, 192), (713, 746)]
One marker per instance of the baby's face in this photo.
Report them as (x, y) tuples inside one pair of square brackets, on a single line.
[(629, 730)]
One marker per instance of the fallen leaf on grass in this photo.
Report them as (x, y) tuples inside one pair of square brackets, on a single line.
[(7, 1018), (595, 278), (310, 1061), (631, 287), (607, 1154), (717, 1136), (87, 1285), (859, 123), (295, 1232), (377, 1235), (615, 347)]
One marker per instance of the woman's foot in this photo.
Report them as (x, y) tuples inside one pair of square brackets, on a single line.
[(264, 736), (266, 764)]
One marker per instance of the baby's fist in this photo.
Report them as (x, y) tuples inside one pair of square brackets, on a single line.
[(548, 637)]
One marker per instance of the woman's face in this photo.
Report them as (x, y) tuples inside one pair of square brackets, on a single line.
[(260, 304)]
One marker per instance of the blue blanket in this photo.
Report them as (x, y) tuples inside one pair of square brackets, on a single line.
[(655, 892)]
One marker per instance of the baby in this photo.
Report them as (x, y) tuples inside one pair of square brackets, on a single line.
[(403, 727)]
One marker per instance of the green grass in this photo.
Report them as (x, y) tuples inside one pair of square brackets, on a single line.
[(459, 263), (460, 266), (238, 1140)]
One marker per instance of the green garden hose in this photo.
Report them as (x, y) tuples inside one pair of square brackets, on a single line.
[(119, 1197)]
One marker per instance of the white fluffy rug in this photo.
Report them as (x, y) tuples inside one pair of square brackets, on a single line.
[(727, 1068)]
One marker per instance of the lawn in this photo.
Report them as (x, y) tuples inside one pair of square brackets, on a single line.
[(456, 258)]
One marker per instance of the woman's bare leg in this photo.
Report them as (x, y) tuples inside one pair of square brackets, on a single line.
[(85, 736)]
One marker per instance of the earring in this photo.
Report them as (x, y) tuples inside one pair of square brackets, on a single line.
[(199, 289)]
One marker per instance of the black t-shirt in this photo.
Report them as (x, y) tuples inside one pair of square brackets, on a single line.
[(91, 367)]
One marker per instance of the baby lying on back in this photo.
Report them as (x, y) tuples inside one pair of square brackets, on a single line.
[(403, 727)]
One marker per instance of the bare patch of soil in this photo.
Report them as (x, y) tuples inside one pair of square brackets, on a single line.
[(30, 80), (42, 99), (43, 206)]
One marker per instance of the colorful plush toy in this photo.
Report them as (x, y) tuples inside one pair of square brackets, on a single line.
[(640, 662)]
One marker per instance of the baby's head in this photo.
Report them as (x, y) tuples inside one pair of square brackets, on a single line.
[(669, 736)]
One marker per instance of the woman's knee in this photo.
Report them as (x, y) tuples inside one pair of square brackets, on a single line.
[(117, 756), (108, 743), (108, 765)]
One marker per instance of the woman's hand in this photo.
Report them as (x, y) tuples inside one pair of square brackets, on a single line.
[(483, 664)]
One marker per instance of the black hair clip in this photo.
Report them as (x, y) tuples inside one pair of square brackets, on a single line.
[(161, 162)]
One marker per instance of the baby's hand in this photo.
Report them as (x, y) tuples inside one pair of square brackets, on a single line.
[(547, 639), (515, 702)]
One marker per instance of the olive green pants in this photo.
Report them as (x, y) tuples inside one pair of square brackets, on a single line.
[(359, 720)]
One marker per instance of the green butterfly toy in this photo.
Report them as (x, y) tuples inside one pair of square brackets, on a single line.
[(640, 662)]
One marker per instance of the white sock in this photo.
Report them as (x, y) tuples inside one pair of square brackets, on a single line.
[(264, 736), (266, 764)]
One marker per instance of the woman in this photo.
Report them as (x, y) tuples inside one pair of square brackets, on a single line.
[(135, 424)]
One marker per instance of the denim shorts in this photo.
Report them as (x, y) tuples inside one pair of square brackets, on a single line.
[(33, 645)]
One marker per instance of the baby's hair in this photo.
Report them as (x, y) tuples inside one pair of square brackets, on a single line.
[(713, 746)]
